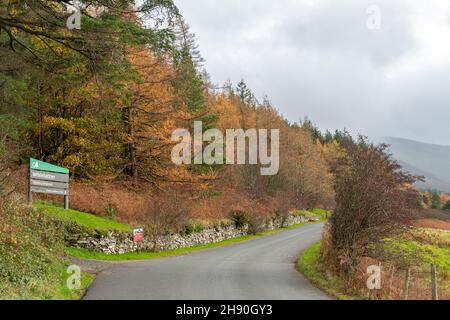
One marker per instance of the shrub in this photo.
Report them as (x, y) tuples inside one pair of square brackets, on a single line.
[(256, 223), (111, 211), (284, 206), (193, 227), (374, 201), (239, 218), (167, 215), (30, 251)]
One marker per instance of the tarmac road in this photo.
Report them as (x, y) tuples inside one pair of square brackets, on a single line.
[(258, 269)]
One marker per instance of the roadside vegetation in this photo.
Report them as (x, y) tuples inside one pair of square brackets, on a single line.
[(81, 218), (373, 224), (32, 255), (311, 265), (428, 247)]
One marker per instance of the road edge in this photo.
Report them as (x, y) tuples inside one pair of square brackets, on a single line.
[(308, 265)]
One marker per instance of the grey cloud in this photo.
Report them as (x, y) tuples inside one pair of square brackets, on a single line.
[(321, 61), (420, 106), (340, 28)]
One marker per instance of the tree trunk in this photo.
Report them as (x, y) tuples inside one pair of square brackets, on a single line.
[(130, 147)]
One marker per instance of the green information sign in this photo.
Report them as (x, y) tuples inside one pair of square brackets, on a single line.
[(48, 178), (44, 166)]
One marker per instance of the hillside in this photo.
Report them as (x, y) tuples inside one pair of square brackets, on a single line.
[(429, 160), (431, 182)]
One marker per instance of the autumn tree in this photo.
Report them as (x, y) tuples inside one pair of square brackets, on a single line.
[(303, 181), (333, 154), (74, 81), (307, 176), (374, 200), (150, 117), (103, 30)]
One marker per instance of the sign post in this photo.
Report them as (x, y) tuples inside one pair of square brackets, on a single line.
[(138, 235), (49, 179)]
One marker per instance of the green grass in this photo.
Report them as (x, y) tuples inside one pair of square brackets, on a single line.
[(86, 254), (61, 292), (83, 219), (321, 213), (324, 214), (52, 288), (426, 254), (309, 265)]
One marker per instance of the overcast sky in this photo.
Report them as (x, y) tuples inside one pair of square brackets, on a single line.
[(318, 58)]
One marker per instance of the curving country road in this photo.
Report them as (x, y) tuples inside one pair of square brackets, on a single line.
[(258, 269)]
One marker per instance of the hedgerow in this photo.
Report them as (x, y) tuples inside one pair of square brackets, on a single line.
[(31, 251)]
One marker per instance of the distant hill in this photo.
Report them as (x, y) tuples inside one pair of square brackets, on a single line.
[(424, 159)]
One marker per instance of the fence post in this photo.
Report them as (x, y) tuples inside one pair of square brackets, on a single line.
[(434, 289), (406, 284)]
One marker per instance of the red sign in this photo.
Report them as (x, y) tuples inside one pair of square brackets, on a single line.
[(138, 234)]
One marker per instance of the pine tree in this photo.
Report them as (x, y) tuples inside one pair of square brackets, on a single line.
[(188, 61)]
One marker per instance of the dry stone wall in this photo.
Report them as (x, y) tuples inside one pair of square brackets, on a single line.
[(119, 243)]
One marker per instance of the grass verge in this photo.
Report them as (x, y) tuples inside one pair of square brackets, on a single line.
[(83, 219), (418, 254), (309, 265), (62, 292), (52, 288), (86, 254)]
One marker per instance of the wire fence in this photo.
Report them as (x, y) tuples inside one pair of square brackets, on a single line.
[(411, 284)]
